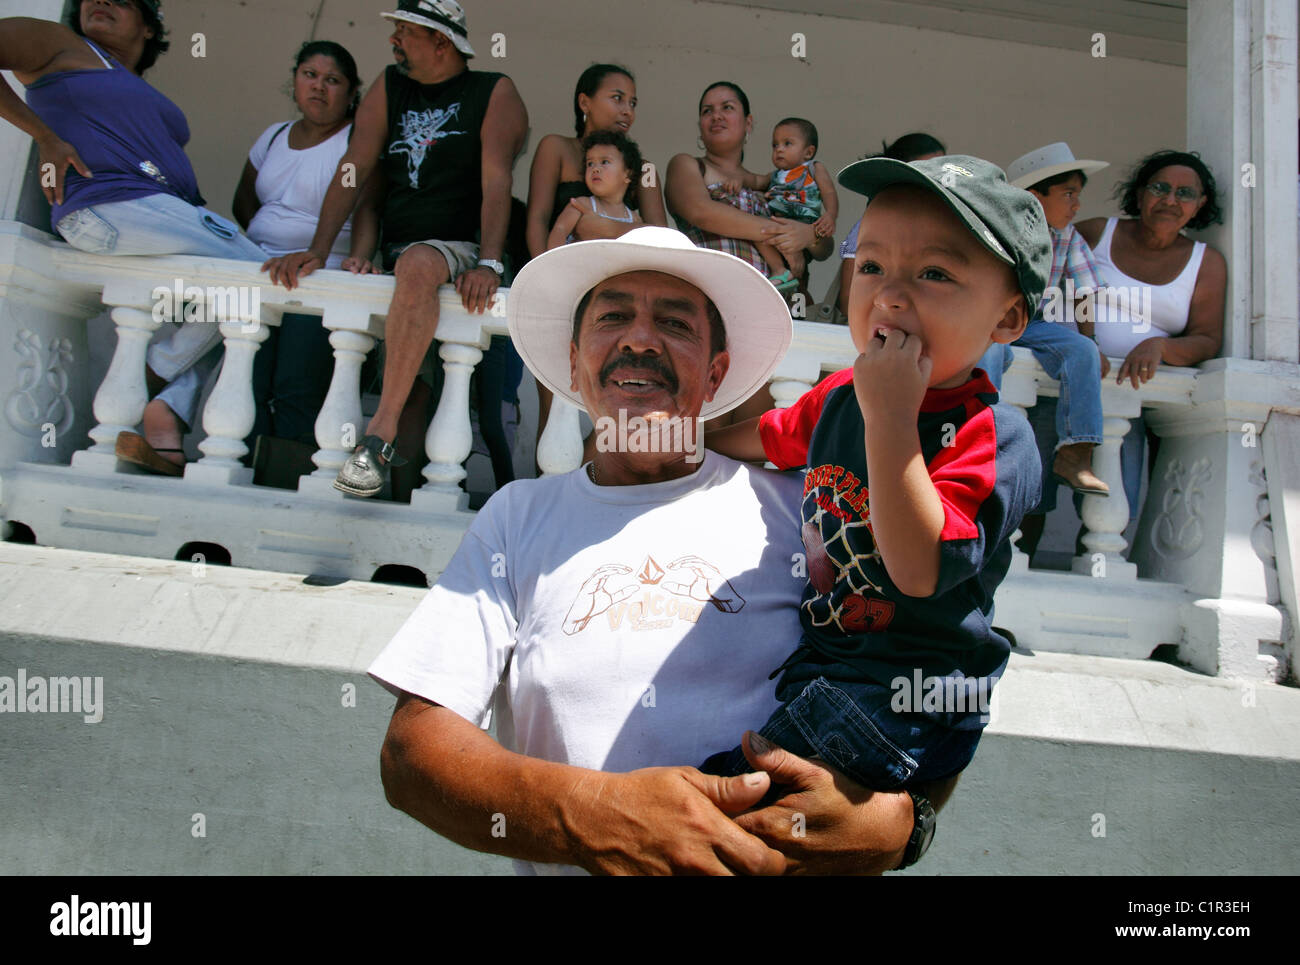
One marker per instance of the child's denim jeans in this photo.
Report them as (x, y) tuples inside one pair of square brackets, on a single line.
[(1073, 360), (851, 726)]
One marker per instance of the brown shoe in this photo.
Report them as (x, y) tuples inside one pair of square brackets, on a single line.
[(134, 448), (1073, 464)]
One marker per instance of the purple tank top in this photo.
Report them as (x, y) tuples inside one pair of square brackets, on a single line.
[(130, 136)]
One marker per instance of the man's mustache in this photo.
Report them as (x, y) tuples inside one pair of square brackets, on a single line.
[(645, 363)]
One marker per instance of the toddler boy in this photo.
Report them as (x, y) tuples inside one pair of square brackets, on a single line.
[(916, 478)]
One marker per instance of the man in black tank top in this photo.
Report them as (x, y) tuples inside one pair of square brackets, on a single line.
[(441, 141)]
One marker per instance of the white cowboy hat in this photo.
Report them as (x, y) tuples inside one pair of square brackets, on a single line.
[(1047, 162), (445, 16), (546, 292)]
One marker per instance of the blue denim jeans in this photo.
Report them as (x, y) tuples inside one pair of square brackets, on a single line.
[(851, 726), (1138, 444), (1074, 361), (162, 224), (994, 362)]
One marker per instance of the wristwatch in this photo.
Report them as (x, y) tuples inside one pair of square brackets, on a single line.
[(495, 265), (923, 818)]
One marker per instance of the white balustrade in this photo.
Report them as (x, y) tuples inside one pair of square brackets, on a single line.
[(450, 437), (1099, 607), (339, 426), (1105, 517), (228, 417), (559, 450), (786, 391), (1020, 389), (120, 401)]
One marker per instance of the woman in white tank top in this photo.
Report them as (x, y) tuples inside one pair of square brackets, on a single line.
[(278, 200), (1165, 299)]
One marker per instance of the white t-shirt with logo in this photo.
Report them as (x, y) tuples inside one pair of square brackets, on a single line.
[(614, 627), (291, 186)]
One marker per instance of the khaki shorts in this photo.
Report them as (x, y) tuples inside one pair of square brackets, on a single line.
[(461, 257)]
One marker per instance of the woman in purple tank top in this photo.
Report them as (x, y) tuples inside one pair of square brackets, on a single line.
[(121, 181)]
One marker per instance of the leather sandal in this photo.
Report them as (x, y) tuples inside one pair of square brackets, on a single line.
[(134, 448), (363, 474)]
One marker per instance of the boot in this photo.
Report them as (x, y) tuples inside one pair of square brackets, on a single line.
[(1073, 463)]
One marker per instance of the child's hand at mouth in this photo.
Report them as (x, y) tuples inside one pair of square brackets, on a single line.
[(890, 377)]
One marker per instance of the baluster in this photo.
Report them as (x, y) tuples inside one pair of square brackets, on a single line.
[(339, 426), (786, 391), (450, 437), (120, 401), (1105, 517), (559, 450), (1019, 389), (229, 414)]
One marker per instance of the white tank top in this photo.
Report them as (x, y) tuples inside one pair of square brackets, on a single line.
[(1129, 311)]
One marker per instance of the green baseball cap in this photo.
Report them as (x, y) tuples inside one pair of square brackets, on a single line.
[(1007, 220)]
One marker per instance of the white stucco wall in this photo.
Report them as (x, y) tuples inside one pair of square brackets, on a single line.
[(860, 82)]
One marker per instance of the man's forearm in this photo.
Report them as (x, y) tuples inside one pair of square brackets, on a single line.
[(451, 776), (494, 219)]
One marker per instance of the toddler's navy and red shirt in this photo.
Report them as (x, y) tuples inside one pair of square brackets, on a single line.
[(985, 466)]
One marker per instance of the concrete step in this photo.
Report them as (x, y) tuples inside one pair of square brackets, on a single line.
[(235, 702)]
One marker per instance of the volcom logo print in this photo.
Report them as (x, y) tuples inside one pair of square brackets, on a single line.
[(679, 592), (417, 132)]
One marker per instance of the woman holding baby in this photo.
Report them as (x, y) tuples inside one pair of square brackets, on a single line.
[(712, 199), (713, 205)]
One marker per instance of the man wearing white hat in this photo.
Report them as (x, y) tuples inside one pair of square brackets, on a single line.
[(444, 138), (623, 618)]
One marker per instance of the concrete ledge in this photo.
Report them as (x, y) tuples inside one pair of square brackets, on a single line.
[(227, 696), (261, 527)]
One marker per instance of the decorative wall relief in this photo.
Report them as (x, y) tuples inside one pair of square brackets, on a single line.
[(40, 398), (1261, 534), (1179, 530)]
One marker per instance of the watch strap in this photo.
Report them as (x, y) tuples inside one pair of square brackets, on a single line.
[(923, 825)]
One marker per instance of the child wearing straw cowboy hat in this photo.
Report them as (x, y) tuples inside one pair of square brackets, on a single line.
[(1056, 178)]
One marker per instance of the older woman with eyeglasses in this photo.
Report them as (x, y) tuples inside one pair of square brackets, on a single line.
[(1166, 297)]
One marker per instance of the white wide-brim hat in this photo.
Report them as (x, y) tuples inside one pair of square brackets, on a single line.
[(1047, 162), (445, 16), (545, 294)]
